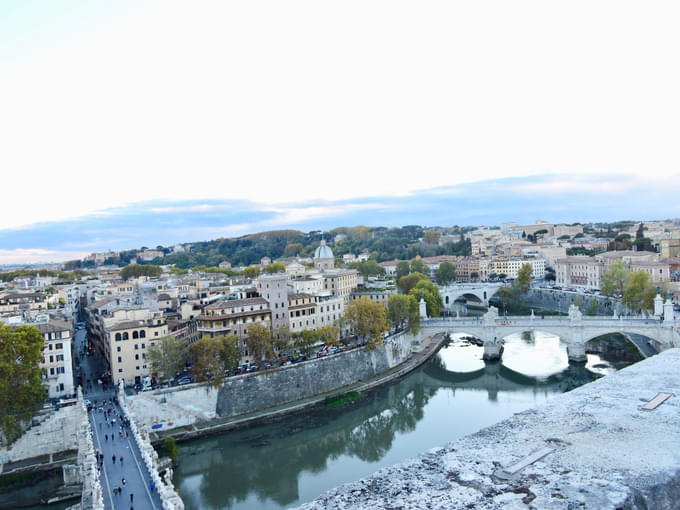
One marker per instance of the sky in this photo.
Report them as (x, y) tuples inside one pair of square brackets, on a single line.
[(159, 122)]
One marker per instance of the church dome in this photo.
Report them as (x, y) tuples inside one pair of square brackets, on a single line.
[(323, 251)]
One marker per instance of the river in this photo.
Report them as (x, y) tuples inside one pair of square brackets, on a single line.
[(292, 461)]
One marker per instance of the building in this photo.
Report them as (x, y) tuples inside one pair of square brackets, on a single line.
[(234, 318), (274, 288), (340, 282), (669, 247), (511, 266), (128, 342), (587, 271), (376, 295), (302, 310), (57, 362), (582, 271), (323, 257)]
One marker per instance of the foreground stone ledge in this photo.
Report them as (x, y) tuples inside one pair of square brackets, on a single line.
[(608, 454)]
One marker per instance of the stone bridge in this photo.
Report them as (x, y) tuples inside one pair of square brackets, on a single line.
[(575, 330), (481, 292)]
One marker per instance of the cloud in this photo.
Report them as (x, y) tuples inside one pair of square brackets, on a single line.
[(556, 198), (37, 256)]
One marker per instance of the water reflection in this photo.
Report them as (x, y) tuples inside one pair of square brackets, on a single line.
[(294, 460)]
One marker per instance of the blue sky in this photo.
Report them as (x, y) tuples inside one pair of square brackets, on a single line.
[(553, 198), (129, 123)]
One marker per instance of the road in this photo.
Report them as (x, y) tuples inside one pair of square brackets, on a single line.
[(136, 493)]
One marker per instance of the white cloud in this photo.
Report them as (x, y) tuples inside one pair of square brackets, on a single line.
[(105, 105), (36, 256)]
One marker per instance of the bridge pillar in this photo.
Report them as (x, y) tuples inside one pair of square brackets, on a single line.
[(492, 350), (577, 352)]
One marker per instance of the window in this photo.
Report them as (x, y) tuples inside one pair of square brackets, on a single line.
[(60, 357), (156, 333), (51, 359), (143, 346), (136, 356), (50, 347), (52, 371), (125, 336), (120, 370), (60, 370), (135, 335), (142, 334), (59, 346), (118, 348), (137, 367)]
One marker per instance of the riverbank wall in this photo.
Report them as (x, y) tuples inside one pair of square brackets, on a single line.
[(560, 301), (199, 409), (593, 447)]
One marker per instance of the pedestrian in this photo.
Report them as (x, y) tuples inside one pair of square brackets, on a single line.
[(123, 482), (132, 496), (113, 457), (121, 460), (106, 437), (152, 486)]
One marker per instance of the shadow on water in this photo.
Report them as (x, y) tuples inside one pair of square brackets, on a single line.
[(286, 463)]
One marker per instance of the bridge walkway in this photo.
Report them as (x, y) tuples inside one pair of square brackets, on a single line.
[(136, 492)]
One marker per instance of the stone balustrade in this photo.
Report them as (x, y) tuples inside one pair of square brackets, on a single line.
[(169, 497)]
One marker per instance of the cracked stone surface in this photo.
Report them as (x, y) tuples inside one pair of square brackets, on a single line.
[(608, 454)]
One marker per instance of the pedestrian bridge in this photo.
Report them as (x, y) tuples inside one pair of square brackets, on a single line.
[(480, 292), (575, 330)]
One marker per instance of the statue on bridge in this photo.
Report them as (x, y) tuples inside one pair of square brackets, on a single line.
[(575, 314)]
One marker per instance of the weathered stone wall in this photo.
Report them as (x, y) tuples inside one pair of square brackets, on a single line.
[(560, 301), (177, 407), (247, 394)]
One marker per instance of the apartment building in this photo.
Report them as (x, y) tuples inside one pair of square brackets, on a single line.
[(340, 282), (302, 312), (274, 288), (510, 267), (128, 342), (381, 296), (580, 271), (57, 360)]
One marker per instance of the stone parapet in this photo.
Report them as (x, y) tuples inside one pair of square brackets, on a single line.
[(169, 497)]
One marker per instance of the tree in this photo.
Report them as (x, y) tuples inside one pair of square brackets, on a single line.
[(371, 268), (368, 320), (431, 236), (433, 298), (276, 267), (446, 273), (640, 292), (406, 283), (251, 272), (167, 356), (615, 280), (524, 277), (281, 338), (230, 352), (329, 335), (402, 309), (402, 269), (292, 249), (259, 341), (208, 365), (304, 341), (21, 389), (136, 270), (418, 266)]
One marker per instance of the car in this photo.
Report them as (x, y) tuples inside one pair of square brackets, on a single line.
[(183, 381)]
